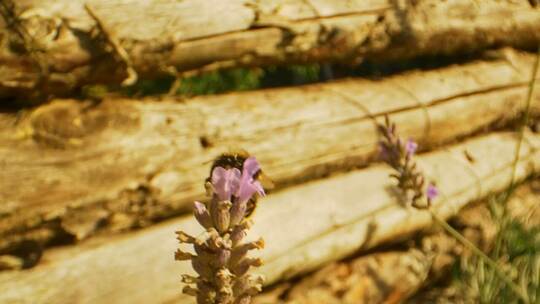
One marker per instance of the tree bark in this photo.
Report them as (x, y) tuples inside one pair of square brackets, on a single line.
[(87, 168), (55, 47), (354, 212)]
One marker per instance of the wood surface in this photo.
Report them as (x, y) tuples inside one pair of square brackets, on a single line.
[(304, 228), (394, 274), (54, 47), (73, 169)]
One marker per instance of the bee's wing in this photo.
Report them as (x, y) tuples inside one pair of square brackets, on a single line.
[(265, 181)]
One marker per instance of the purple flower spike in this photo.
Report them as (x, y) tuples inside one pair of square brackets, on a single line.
[(221, 258), (410, 147), (432, 192), (248, 186), (225, 182)]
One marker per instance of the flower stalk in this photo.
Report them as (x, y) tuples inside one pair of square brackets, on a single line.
[(398, 154), (221, 256)]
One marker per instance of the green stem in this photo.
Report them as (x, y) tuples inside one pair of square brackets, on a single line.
[(503, 276), (524, 122)]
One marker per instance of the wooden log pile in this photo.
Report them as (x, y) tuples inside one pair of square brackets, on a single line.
[(112, 179), (120, 164), (55, 47), (304, 227)]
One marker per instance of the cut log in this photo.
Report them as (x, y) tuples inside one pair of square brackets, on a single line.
[(54, 47), (304, 228), (393, 276), (121, 164)]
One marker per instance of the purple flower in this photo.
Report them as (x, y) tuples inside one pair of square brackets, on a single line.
[(432, 192), (226, 182), (248, 186), (229, 182), (410, 147), (251, 167)]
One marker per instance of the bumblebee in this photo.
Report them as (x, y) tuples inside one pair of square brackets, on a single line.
[(236, 159)]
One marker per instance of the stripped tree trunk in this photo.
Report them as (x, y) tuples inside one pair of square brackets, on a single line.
[(55, 47), (304, 227), (119, 164)]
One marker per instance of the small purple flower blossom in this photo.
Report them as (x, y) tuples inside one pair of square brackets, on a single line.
[(251, 166), (432, 192), (248, 186), (226, 182), (410, 147), (229, 182)]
